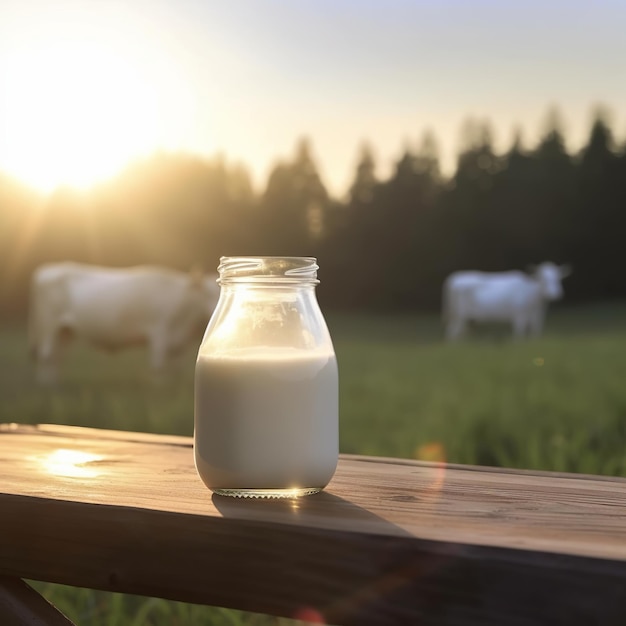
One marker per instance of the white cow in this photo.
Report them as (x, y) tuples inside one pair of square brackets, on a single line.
[(114, 308), (514, 297)]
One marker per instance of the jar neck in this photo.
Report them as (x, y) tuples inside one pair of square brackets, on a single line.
[(268, 271)]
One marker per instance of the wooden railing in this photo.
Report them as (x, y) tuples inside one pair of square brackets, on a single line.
[(390, 541)]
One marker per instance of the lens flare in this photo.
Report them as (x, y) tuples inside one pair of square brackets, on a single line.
[(309, 615), (435, 454)]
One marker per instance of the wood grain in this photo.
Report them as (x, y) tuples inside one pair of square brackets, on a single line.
[(389, 541)]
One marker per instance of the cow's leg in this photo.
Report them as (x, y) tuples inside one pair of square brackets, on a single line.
[(158, 355), (456, 328), (537, 329), (50, 355), (535, 324), (520, 326), (47, 361)]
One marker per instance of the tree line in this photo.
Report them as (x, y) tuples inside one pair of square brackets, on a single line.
[(388, 245)]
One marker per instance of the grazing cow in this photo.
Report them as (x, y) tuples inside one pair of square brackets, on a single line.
[(514, 297), (114, 308)]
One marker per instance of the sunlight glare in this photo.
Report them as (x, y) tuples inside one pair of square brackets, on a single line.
[(78, 106), (70, 463)]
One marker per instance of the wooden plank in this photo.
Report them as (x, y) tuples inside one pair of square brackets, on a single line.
[(390, 541), (21, 605)]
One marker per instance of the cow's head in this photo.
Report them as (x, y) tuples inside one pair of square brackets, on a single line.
[(550, 276), (205, 290)]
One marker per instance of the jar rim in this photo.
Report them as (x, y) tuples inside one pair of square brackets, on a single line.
[(260, 269)]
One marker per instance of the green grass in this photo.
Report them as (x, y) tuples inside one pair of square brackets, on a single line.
[(555, 403)]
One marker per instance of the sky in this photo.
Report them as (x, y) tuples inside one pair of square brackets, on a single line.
[(88, 85)]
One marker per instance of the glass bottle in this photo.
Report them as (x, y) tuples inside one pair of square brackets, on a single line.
[(266, 383)]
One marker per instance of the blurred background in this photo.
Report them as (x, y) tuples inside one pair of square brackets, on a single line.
[(396, 141)]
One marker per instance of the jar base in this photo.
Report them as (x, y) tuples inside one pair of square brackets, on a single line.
[(267, 493)]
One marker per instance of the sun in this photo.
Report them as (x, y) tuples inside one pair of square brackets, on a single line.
[(79, 104), (73, 115)]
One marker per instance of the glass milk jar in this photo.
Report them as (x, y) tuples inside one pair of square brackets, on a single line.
[(266, 383)]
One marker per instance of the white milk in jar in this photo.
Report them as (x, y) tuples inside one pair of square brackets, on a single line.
[(266, 383)]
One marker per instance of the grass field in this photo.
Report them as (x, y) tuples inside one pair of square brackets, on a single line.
[(555, 403)]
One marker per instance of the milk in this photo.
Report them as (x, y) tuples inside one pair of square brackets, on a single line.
[(266, 419)]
